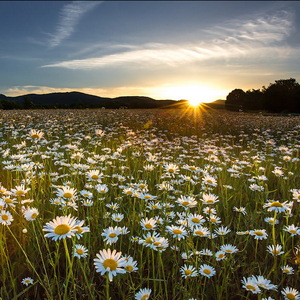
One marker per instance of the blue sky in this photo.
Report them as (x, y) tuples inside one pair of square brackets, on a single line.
[(161, 49)]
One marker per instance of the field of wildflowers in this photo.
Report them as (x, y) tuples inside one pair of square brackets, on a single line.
[(149, 204)]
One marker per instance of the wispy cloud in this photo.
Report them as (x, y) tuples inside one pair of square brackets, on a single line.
[(237, 38), (70, 15)]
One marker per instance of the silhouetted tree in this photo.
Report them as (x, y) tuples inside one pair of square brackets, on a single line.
[(235, 100), (283, 95), (28, 103), (253, 100)]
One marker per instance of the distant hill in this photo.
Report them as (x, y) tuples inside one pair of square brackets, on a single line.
[(82, 100)]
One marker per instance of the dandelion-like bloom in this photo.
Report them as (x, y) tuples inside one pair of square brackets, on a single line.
[(111, 235), (274, 205), (143, 294), (240, 209), (290, 294), (275, 250), (60, 228), (264, 283), (30, 214), (187, 202), (220, 255), (258, 188), (27, 281), (148, 224), (259, 234), (5, 217), (160, 244), (101, 188), (228, 248), (171, 169), (110, 262), (292, 229), (207, 270), (117, 217), (79, 229), (35, 134), (66, 192), (195, 220), (201, 231), (271, 221), (20, 190), (188, 271), (131, 265), (206, 252), (94, 175), (209, 199), (178, 232), (223, 230), (287, 270), (80, 251), (250, 285)]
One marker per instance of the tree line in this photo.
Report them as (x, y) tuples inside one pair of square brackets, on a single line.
[(283, 96)]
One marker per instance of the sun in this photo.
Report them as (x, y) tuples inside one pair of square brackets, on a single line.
[(194, 93), (194, 102)]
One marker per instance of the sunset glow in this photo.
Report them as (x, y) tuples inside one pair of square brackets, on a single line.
[(194, 93)]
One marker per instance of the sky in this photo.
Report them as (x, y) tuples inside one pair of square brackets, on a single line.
[(161, 49)]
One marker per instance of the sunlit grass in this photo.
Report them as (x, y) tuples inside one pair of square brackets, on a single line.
[(198, 202)]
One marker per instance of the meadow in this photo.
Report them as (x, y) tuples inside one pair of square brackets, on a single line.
[(149, 204)]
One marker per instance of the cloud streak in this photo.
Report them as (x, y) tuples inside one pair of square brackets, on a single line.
[(70, 15), (238, 38)]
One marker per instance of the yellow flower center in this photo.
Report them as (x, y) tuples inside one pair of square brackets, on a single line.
[(259, 233), (148, 226), (147, 197), (62, 229), (129, 268), (177, 231), (111, 264), (4, 217), (112, 235), (157, 244), (68, 195), (198, 232), (95, 176), (290, 296), (129, 192), (185, 203), (209, 201), (79, 251), (149, 240), (8, 200), (192, 168), (195, 220), (207, 271), (171, 170), (187, 272), (250, 287), (145, 297), (209, 181), (228, 251), (293, 231), (221, 255), (20, 193), (276, 204), (34, 215), (78, 229), (35, 136)]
